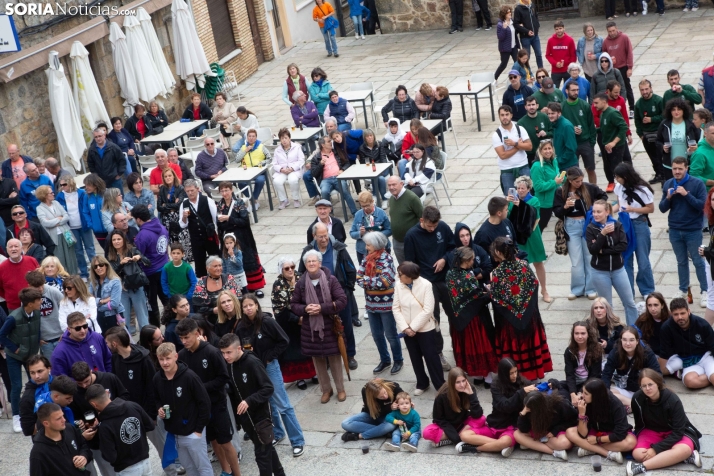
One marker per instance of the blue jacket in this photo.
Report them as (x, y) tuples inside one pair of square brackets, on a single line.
[(83, 208), (708, 75), (153, 242), (517, 100), (92, 211), (339, 110), (7, 169), (353, 141), (147, 198), (524, 74), (110, 289), (584, 84), (685, 212), (355, 7), (580, 49), (319, 94), (27, 194), (381, 223)]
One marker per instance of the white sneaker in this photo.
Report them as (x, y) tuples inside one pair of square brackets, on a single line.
[(592, 296), (644, 7), (389, 446), (694, 9), (615, 456), (703, 301), (561, 454), (507, 451), (694, 459), (420, 391), (363, 37), (685, 9), (582, 452), (572, 297), (680, 294), (16, 424), (356, 36)]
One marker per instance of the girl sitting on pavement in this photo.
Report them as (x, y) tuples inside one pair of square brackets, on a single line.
[(542, 424)]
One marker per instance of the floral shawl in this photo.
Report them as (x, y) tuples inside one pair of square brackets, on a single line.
[(282, 293), (514, 290), (468, 296)]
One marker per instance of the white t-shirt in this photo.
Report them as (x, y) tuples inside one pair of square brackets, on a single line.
[(519, 159), (643, 193)]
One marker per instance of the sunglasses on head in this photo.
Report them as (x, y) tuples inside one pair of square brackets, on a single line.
[(79, 328), (17, 214)]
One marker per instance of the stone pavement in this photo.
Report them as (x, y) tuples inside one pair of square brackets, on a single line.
[(677, 40)]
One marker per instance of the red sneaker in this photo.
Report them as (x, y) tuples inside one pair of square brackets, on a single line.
[(610, 188)]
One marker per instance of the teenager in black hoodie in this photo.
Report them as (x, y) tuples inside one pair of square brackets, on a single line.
[(602, 424), (507, 392), (122, 432), (252, 389), (457, 412), (178, 387), (688, 345), (206, 362), (665, 436), (583, 359), (58, 448), (542, 424)]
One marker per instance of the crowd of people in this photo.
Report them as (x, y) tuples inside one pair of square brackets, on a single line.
[(221, 362)]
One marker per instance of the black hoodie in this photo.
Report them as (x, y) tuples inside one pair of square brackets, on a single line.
[(122, 434), (426, 248), (188, 400), (612, 374), (107, 380), (269, 342), (249, 381), (665, 415), (207, 362), (453, 422), (54, 458), (505, 409), (137, 372), (482, 260), (571, 364), (697, 340)]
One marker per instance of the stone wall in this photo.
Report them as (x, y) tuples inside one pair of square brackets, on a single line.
[(415, 15)]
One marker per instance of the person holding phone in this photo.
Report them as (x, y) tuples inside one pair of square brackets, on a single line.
[(607, 242)]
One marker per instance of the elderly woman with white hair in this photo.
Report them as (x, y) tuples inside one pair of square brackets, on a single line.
[(205, 297), (574, 70), (317, 299), (287, 167), (376, 275), (293, 364)]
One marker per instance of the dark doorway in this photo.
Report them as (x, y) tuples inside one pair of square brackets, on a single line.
[(254, 31)]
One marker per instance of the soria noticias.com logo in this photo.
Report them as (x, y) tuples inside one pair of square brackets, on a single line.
[(23, 9)]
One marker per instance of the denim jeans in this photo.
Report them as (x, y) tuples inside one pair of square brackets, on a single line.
[(691, 3), (137, 300), (345, 126), (329, 184), (236, 147), (14, 369), (309, 184), (402, 167), (413, 438), (384, 329), (281, 408), (357, 20), (367, 426), (117, 184), (259, 184), (47, 349), (199, 132), (645, 279), (534, 41), (687, 242), (580, 270), (330, 42), (604, 281), (85, 242), (3, 232), (508, 177)]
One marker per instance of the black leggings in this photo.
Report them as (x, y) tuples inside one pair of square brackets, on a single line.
[(505, 56)]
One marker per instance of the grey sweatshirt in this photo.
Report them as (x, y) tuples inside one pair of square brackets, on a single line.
[(49, 325)]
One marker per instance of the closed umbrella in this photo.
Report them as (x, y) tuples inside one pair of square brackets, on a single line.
[(191, 63), (148, 81), (87, 97), (65, 116), (157, 53), (124, 69)]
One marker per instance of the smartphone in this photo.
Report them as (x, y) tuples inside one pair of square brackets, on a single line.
[(512, 193), (563, 174)]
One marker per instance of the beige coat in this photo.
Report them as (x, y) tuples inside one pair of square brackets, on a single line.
[(414, 307), (226, 114)]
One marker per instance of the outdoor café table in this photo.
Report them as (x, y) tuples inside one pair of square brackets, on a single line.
[(359, 96), (363, 172), (173, 132), (307, 135), (434, 125), (460, 88), (239, 174)]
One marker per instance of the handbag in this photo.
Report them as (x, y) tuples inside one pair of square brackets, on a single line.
[(561, 238), (134, 276), (156, 130), (69, 238), (264, 428)]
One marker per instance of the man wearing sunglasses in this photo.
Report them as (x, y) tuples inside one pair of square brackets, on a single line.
[(19, 217), (79, 343)]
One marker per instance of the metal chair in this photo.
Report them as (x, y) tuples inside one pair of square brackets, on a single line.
[(450, 127), (440, 176), (192, 149), (480, 78), (367, 86)]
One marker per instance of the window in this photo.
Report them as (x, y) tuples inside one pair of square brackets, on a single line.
[(222, 27)]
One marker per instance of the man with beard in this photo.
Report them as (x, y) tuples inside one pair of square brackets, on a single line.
[(578, 112), (512, 144), (649, 110), (537, 125)]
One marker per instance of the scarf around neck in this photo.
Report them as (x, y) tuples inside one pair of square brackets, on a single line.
[(317, 323), (685, 179), (370, 263)]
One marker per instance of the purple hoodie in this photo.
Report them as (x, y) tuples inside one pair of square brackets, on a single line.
[(153, 242), (92, 350)]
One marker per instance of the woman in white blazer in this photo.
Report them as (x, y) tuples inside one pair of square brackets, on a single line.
[(78, 299), (413, 310), (288, 161)]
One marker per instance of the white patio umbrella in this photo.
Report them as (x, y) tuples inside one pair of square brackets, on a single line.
[(124, 68), (148, 81), (191, 62), (87, 97), (65, 116), (157, 53)]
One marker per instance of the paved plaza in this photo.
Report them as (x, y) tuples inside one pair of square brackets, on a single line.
[(684, 41)]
